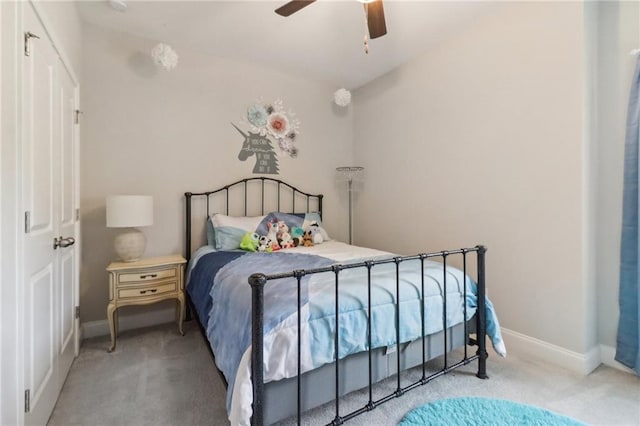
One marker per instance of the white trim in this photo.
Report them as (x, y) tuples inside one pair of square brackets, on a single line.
[(526, 346), (1, 372), (11, 368), (608, 355), (129, 322)]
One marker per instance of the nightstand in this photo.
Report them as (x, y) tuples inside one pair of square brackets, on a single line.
[(143, 282)]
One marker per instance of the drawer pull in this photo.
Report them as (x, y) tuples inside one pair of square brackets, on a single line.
[(142, 277), (153, 290)]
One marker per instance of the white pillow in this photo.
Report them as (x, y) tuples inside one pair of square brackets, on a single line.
[(229, 230)]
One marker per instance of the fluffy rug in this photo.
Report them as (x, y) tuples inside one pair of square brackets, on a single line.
[(483, 411)]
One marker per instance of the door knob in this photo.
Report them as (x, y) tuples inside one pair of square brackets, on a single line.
[(63, 242)]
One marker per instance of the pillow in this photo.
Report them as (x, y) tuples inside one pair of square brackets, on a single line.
[(229, 230), (301, 220), (290, 219), (211, 233)]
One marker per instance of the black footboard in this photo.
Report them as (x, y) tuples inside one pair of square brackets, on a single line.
[(258, 281)]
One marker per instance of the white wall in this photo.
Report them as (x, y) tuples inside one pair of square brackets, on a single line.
[(481, 141), (66, 29), (162, 133), (619, 33), (63, 22)]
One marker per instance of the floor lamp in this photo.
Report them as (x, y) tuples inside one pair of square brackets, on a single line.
[(350, 173)]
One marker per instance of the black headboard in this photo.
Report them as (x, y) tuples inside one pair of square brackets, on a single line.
[(241, 195)]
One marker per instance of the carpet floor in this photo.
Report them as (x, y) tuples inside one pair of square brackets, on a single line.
[(156, 377)]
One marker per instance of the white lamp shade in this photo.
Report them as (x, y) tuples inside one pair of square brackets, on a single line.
[(124, 211)]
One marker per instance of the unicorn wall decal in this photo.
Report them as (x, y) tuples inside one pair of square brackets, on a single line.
[(262, 147)]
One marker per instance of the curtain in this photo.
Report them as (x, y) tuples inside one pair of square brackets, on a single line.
[(628, 341)]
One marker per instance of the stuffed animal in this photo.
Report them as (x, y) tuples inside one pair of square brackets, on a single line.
[(272, 235), (282, 227), (296, 235), (317, 235), (283, 236), (250, 241), (296, 232), (315, 232), (286, 241), (264, 245), (307, 239)]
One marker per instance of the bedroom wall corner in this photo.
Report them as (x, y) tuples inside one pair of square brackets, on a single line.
[(160, 133), (492, 127), (590, 174)]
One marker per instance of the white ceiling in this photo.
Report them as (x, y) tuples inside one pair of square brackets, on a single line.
[(324, 40)]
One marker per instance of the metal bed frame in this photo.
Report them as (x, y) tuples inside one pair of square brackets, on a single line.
[(258, 281)]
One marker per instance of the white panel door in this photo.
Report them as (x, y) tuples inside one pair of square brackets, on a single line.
[(68, 249), (40, 138), (50, 200)]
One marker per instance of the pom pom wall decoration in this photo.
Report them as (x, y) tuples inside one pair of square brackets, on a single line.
[(342, 97), (164, 56)]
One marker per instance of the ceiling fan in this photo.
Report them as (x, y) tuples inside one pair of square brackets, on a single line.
[(373, 8)]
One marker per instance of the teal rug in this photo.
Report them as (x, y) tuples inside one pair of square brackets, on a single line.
[(483, 411)]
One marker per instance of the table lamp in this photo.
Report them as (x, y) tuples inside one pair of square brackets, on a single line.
[(130, 211)]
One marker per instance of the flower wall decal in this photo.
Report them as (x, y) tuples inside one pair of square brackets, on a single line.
[(280, 126), (268, 123)]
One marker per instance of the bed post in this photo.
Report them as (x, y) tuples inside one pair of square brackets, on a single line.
[(187, 239), (257, 282), (481, 320), (187, 251)]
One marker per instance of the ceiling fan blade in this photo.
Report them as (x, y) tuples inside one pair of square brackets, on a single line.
[(375, 19), (292, 7)]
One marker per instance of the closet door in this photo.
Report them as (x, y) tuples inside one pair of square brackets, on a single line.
[(67, 195), (49, 197)]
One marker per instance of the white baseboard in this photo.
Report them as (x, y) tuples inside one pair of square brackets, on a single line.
[(608, 355), (523, 345), (526, 346), (129, 322)]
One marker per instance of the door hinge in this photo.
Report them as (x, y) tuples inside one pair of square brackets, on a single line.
[(27, 222), (28, 35), (77, 311), (77, 214), (27, 401), (78, 112)]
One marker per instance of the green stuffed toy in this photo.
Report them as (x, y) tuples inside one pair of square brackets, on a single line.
[(250, 241)]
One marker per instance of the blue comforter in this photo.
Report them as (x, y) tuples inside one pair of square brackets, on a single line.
[(226, 310)]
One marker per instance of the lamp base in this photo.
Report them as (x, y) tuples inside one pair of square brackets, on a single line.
[(130, 245)]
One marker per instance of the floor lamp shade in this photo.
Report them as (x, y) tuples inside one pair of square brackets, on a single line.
[(130, 211)]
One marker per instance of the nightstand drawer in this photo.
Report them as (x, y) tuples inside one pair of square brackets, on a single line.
[(124, 293), (148, 276)]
